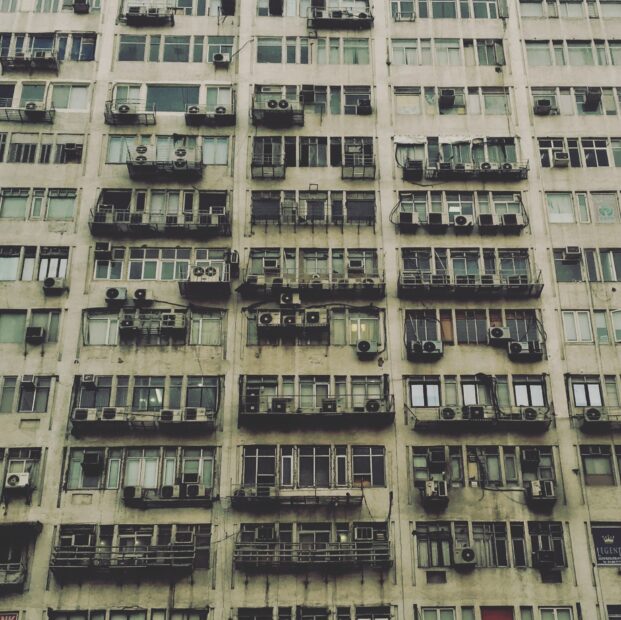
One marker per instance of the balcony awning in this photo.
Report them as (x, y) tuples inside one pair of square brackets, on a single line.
[(410, 140)]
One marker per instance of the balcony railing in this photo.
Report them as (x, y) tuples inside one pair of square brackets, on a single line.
[(117, 420), (140, 13), (129, 112), (304, 556), (12, 576), (212, 115), (597, 419), (30, 112), (182, 164), (270, 497), (417, 283), (358, 167), (477, 418), (173, 560), (35, 59), (415, 170), (292, 213), (340, 18), (268, 168), (170, 496), (296, 411), (107, 220), (315, 286), (272, 110)]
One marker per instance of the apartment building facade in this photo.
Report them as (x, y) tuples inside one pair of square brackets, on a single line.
[(310, 309)]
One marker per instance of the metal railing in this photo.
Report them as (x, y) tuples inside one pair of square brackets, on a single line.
[(12, 573), (109, 214), (325, 405)]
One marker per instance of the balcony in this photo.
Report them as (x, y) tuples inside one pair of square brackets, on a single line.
[(44, 59), (171, 562), (598, 419), (14, 534), (268, 168), (358, 166), (315, 286), (272, 111), (150, 13), (87, 421), (345, 18), (30, 112), (422, 284), (484, 171), (210, 115), (129, 112), (299, 557), (261, 498), (183, 164), (108, 220), (209, 279), (182, 495), (258, 411), (480, 418)]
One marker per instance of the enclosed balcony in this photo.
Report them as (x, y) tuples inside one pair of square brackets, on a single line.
[(149, 13), (598, 419), (340, 15), (139, 214), (485, 171), (480, 418), (210, 278), (35, 59), (182, 164), (185, 494), (268, 167), (15, 540), (129, 112), (210, 115), (87, 421), (29, 112), (358, 165), (261, 498), (257, 410), (275, 111), (91, 561)]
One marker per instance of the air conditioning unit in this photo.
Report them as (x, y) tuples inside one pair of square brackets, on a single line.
[(194, 414), (124, 109), (592, 414), (28, 380), (170, 415), (170, 491), (271, 266), (116, 296), (560, 159), (488, 223), (373, 405), (592, 99), (366, 349), (142, 154), (142, 297), (525, 351), (463, 223), (88, 380), (281, 405), (195, 491), (92, 462), (315, 317), (435, 489), (540, 490), (290, 299), (473, 412), (355, 265), (269, 319), (173, 321), (54, 286), (498, 335), (572, 253), (83, 414), (437, 222), (488, 166), (364, 107), (420, 350), (446, 98), (110, 414), (210, 272), (408, 219), (544, 559), (132, 493), (529, 459), (464, 558), (543, 107), (34, 110), (329, 405), (103, 250), (17, 481), (288, 318), (35, 335), (221, 59), (512, 222)]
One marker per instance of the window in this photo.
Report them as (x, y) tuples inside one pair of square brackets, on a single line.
[(159, 263), (529, 391), (48, 320), (100, 329), (141, 467), (33, 397), (556, 613), (171, 98), (206, 329), (577, 326), (132, 47), (471, 326), (218, 45), (490, 544), (12, 327), (614, 612), (567, 270), (216, 150), (13, 203), (587, 392), (148, 394), (60, 204), (203, 392), (597, 465), (118, 148), (355, 51), (368, 466), (538, 53), (438, 613), (8, 390), (95, 395), (425, 393), (560, 208), (259, 465), (53, 262), (269, 49), (433, 545), (405, 52), (176, 49), (448, 52), (81, 477), (70, 96)]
